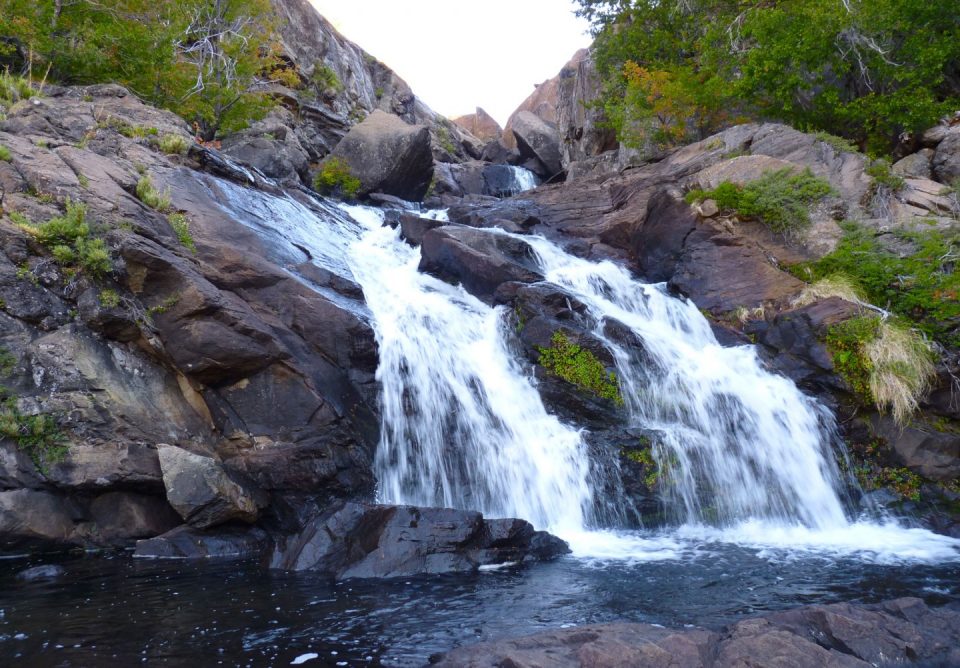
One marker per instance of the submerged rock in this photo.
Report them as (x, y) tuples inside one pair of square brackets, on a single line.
[(902, 632), (362, 540), (45, 572)]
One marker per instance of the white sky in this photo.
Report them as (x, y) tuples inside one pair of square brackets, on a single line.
[(458, 55)]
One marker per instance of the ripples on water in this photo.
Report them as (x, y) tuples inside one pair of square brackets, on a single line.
[(115, 611)]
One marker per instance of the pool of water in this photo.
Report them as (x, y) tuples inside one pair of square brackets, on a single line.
[(113, 610)]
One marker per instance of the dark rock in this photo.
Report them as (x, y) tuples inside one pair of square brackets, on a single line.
[(46, 572), (842, 635), (390, 202), (114, 322), (413, 228), (478, 259), (388, 156), (202, 492), (361, 540), (946, 161), (497, 153), (273, 158), (538, 140), (932, 454), (221, 543)]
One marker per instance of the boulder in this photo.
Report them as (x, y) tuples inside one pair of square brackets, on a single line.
[(932, 454), (186, 542), (413, 228), (284, 161), (388, 156), (203, 493), (916, 165), (538, 140), (478, 259), (842, 635), (946, 160), (375, 541)]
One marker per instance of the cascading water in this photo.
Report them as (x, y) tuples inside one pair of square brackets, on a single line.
[(748, 455)]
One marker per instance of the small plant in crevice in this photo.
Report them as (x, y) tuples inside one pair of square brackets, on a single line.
[(72, 242), (335, 178), (38, 435), (172, 144), (781, 200), (109, 298), (580, 367), (839, 144), (149, 195), (8, 361), (181, 227), (5, 154)]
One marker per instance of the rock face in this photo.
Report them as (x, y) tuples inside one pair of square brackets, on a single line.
[(900, 632), (542, 103), (583, 134), (388, 156), (481, 125), (946, 160), (539, 144), (366, 541), (200, 490)]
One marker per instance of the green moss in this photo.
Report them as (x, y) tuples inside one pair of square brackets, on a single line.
[(643, 456), (445, 140), (902, 481), (149, 195), (8, 362), (5, 154), (335, 178), (83, 180), (781, 200), (579, 367), (921, 285), (37, 435), (846, 342)]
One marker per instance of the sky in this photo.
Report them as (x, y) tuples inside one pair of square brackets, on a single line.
[(459, 55)]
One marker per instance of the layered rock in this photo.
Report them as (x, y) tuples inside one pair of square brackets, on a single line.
[(902, 632)]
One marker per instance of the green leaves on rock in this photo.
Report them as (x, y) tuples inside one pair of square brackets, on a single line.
[(579, 367)]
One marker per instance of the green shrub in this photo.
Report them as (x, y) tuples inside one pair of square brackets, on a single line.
[(148, 194), (325, 79), (839, 144), (181, 227), (5, 154), (335, 178), (37, 435), (71, 243), (781, 200), (883, 177), (172, 144), (109, 298), (14, 88), (579, 367)]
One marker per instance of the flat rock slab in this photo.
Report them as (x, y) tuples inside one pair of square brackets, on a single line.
[(900, 632), (375, 541)]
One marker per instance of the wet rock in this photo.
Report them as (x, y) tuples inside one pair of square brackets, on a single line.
[(274, 158), (361, 540), (413, 228), (221, 543), (478, 259), (538, 140), (202, 492), (933, 454), (45, 572), (901, 632), (388, 156)]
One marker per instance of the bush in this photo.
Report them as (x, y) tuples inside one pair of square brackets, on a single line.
[(335, 178), (71, 243), (579, 367), (172, 144), (36, 435), (14, 88), (148, 194), (781, 200)]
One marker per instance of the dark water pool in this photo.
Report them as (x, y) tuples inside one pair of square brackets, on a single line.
[(112, 610)]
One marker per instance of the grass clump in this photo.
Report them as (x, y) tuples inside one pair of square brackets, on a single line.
[(325, 79), (839, 144), (335, 178), (172, 144), (37, 435), (109, 298), (72, 243), (181, 227), (884, 363), (149, 195), (883, 177), (920, 285), (579, 367), (14, 88), (781, 200), (836, 285), (5, 154)]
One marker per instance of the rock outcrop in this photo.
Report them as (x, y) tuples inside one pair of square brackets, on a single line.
[(538, 143), (481, 125), (900, 632), (388, 156)]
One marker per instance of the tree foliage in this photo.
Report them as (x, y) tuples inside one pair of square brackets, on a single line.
[(208, 60), (864, 70)]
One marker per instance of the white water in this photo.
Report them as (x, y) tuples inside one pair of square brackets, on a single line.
[(523, 180), (463, 425)]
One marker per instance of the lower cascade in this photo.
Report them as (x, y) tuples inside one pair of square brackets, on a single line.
[(749, 455)]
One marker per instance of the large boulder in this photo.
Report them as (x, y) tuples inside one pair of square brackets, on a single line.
[(946, 160), (478, 259), (203, 493), (388, 156), (538, 141), (362, 540), (481, 125), (843, 635), (277, 159)]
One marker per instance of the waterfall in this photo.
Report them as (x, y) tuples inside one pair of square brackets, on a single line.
[(746, 453)]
